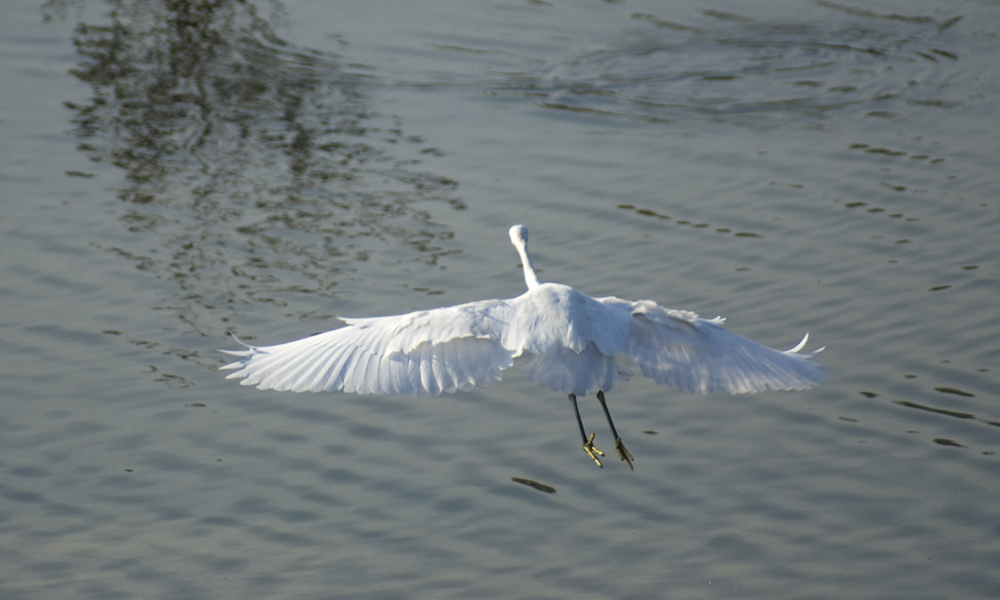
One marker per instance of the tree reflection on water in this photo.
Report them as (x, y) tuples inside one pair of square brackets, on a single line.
[(252, 167)]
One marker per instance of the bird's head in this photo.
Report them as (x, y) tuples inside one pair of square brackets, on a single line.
[(519, 235)]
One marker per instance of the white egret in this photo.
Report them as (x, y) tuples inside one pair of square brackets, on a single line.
[(573, 344)]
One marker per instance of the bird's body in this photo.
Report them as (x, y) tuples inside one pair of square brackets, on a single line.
[(572, 343)]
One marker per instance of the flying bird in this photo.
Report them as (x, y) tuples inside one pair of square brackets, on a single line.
[(572, 343)]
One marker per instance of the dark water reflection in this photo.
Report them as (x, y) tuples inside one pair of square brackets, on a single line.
[(253, 167)]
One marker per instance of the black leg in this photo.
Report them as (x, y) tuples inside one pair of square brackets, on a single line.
[(588, 444), (623, 452)]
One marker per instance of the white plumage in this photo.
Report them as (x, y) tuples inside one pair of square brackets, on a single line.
[(572, 342)]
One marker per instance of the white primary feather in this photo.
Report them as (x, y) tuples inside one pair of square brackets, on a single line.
[(572, 343)]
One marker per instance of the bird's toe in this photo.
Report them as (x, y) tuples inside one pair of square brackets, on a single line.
[(623, 453), (592, 451)]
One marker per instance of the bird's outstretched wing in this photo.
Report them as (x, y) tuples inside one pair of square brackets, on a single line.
[(417, 354), (679, 349)]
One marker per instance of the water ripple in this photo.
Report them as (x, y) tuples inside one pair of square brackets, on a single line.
[(750, 71)]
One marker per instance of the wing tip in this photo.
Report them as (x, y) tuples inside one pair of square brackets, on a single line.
[(242, 354), (797, 350)]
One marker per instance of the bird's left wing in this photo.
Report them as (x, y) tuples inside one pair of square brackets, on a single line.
[(420, 353), (684, 351)]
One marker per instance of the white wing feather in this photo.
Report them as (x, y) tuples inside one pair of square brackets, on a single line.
[(422, 353), (679, 349), (571, 339)]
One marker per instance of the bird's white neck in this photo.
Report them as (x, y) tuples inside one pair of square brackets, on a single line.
[(519, 237)]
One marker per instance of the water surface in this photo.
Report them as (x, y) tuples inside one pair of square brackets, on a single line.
[(172, 175)]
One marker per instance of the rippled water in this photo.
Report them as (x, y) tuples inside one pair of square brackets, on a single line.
[(750, 71), (173, 172)]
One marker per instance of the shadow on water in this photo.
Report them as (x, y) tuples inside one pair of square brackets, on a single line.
[(252, 167)]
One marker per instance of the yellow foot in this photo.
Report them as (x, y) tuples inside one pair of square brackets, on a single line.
[(623, 453), (592, 450)]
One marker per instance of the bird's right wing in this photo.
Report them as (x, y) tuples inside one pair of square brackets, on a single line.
[(679, 349), (421, 353)]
